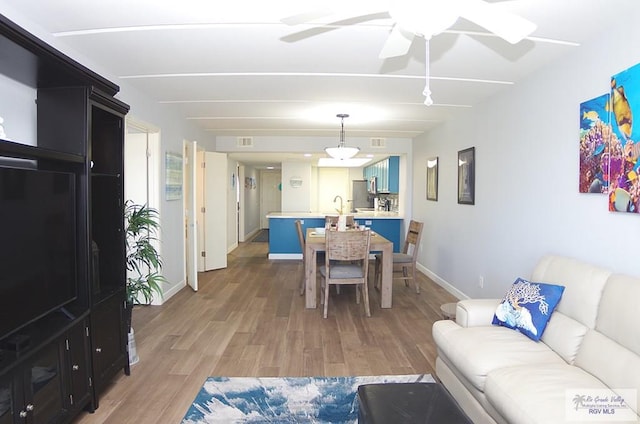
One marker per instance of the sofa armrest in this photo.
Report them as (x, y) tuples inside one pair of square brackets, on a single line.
[(476, 312)]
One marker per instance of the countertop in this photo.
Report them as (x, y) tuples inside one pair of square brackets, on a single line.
[(358, 215)]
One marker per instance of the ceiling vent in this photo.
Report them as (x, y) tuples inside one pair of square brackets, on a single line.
[(245, 142), (378, 142)]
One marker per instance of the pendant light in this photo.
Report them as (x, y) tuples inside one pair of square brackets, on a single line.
[(342, 152)]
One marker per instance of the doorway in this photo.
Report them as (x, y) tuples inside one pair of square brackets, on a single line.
[(270, 195), (142, 165)]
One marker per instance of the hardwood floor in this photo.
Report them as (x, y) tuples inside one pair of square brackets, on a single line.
[(250, 320)]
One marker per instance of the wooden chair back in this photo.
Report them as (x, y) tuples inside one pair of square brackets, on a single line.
[(332, 221), (347, 245), (346, 262), (412, 240), (298, 224), (300, 235)]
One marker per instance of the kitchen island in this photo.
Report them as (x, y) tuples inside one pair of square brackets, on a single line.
[(283, 239)]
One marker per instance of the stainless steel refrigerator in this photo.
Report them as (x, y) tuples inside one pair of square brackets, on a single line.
[(360, 195)]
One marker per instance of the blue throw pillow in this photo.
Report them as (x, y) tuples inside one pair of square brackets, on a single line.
[(527, 307)]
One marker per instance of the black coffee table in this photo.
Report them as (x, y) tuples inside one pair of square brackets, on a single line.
[(408, 403)]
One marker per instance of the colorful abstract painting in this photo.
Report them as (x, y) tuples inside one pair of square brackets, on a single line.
[(595, 132), (624, 145)]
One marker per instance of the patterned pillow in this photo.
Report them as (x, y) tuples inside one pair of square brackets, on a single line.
[(527, 307)]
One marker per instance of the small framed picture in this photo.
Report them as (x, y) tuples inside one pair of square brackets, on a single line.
[(466, 176), (173, 183), (432, 178)]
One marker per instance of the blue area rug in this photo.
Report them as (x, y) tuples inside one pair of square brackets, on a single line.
[(284, 400)]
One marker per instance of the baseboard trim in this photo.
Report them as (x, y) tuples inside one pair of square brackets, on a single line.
[(249, 236), (441, 282), (297, 256), (168, 293)]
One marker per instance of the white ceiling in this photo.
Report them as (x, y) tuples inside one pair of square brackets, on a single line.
[(234, 69)]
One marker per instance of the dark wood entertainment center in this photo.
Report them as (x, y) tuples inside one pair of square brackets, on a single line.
[(56, 366)]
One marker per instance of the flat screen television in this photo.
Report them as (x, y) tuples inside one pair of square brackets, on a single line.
[(38, 226)]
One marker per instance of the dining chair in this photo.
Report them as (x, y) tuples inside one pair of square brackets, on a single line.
[(405, 261), (332, 221), (346, 262), (302, 247), (302, 242)]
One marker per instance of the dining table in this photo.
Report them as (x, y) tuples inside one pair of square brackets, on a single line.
[(315, 242)]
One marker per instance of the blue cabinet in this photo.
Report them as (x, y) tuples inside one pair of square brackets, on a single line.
[(283, 239), (387, 173), (387, 228)]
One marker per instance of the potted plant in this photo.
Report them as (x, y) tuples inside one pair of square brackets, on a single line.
[(144, 263), (143, 260)]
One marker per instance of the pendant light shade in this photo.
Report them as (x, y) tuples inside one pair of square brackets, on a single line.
[(342, 152)]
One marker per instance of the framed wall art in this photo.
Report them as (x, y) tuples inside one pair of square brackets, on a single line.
[(466, 176), (432, 178), (173, 182)]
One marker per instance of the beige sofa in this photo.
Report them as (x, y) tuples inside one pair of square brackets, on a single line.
[(591, 345)]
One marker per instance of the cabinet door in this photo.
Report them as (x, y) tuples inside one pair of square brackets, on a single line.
[(43, 387), (109, 349), (77, 347), (394, 174), (7, 399)]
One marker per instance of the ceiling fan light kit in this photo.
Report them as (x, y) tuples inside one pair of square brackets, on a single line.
[(342, 152)]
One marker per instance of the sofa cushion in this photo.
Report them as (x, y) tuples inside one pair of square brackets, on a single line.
[(564, 335), (531, 394), (527, 307), (611, 352), (476, 351), (618, 311), (615, 365), (583, 284)]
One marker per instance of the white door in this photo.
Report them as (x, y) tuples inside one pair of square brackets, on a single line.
[(191, 240), (270, 195), (213, 234), (200, 188)]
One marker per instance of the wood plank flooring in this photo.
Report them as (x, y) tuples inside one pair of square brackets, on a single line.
[(250, 320)]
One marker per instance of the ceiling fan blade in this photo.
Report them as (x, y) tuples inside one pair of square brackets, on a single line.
[(305, 17), (397, 44), (493, 17)]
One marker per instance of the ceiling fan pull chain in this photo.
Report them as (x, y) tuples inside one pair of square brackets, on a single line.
[(427, 91)]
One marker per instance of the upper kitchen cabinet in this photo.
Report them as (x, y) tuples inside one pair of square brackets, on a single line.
[(387, 173)]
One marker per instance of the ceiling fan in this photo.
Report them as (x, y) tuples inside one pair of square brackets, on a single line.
[(427, 18)]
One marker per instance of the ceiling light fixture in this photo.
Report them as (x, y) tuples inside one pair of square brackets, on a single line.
[(342, 152)]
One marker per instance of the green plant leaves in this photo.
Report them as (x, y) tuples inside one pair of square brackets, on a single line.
[(143, 260)]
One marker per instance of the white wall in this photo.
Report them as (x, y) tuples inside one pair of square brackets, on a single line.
[(296, 199), (527, 202), (310, 144), (333, 182)]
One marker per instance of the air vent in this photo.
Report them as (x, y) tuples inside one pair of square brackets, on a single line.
[(378, 142), (245, 141)]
